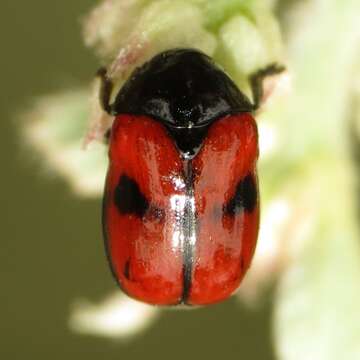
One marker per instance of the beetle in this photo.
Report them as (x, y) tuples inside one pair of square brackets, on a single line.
[(181, 199)]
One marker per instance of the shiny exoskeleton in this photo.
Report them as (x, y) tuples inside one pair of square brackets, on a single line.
[(181, 203)]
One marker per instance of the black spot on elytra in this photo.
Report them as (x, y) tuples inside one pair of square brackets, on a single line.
[(128, 197), (127, 269), (245, 197)]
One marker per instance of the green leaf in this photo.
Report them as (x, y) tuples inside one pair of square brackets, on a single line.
[(316, 314), (317, 309)]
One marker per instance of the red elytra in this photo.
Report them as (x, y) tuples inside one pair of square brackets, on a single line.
[(181, 230), (181, 204)]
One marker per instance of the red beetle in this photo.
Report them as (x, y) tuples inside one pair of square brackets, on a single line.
[(181, 203)]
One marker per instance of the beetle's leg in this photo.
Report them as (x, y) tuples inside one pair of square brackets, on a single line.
[(105, 90), (102, 113), (256, 81)]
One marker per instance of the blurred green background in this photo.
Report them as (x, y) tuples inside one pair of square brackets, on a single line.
[(51, 242)]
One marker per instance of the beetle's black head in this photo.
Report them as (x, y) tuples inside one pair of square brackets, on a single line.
[(186, 91)]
